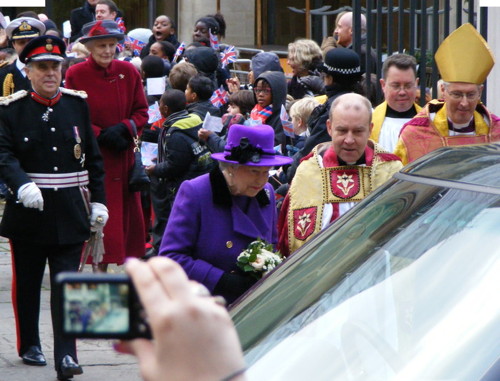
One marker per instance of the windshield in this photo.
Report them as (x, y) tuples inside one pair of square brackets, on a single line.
[(406, 289)]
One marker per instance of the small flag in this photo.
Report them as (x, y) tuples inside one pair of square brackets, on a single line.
[(286, 123), (228, 56), (219, 97), (214, 40), (154, 113), (179, 51), (121, 24), (134, 45)]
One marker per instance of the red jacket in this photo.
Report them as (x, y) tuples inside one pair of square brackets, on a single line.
[(116, 95)]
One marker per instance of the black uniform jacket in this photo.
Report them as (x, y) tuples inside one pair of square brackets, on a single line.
[(20, 81), (35, 138)]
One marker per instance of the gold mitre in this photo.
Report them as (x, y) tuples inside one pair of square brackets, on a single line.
[(464, 56)]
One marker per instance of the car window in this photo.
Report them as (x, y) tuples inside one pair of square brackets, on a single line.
[(398, 280)]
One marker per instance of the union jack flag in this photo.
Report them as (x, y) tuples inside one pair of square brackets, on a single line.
[(228, 56), (179, 51), (214, 40), (285, 122), (154, 113), (219, 97), (134, 45), (121, 24)]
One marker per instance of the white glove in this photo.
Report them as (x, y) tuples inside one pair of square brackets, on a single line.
[(98, 216), (30, 196)]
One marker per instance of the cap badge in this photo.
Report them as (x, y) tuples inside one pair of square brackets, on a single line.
[(24, 26), (49, 47)]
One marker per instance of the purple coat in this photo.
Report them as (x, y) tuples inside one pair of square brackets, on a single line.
[(207, 229)]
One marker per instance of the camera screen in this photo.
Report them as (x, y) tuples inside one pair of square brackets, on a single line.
[(95, 308)]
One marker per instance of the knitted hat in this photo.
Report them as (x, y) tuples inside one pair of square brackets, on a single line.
[(251, 145), (342, 64), (205, 59)]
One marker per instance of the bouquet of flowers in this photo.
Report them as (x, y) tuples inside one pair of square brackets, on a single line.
[(259, 259)]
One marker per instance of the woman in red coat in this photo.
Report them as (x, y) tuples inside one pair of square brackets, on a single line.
[(117, 103)]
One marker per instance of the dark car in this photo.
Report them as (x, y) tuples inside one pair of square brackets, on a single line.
[(406, 286)]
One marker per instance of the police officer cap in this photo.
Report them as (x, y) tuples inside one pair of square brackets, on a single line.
[(44, 48), (342, 64), (24, 27)]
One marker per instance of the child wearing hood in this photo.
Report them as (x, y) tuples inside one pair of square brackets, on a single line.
[(270, 89)]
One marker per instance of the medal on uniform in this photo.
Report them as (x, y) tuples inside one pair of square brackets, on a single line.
[(77, 149), (46, 114)]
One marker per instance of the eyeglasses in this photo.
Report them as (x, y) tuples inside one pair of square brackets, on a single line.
[(399, 87), (457, 95), (263, 90)]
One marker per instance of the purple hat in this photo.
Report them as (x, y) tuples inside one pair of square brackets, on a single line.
[(251, 145), (101, 29)]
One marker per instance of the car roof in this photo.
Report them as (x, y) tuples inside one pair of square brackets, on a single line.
[(475, 165)]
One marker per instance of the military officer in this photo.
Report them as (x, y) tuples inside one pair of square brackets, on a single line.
[(51, 163), (20, 31)]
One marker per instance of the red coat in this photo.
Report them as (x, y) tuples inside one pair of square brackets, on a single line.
[(115, 95)]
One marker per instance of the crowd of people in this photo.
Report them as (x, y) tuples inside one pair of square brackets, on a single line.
[(276, 158)]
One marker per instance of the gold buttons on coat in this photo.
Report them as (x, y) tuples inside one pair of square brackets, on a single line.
[(229, 244)]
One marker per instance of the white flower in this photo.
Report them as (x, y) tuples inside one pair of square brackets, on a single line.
[(264, 259), (259, 263)]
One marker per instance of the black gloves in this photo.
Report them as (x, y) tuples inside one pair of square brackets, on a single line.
[(116, 137), (232, 286)]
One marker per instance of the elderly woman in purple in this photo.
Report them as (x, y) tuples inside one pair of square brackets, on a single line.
[(216, 216)]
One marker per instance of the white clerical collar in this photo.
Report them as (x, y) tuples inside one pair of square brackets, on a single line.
[(20, 67), (461, 125)]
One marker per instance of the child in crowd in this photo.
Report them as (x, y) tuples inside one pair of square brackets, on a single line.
[(163, 49), (180, 75), (270, 90), (198, 93), (163, 30), (240, 105), (152, 67), (300, 111), (180, 157), (166, 51)]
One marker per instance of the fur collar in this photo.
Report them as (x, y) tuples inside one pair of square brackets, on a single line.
[(222, 196)]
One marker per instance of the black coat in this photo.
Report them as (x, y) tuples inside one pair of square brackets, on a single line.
[(201, 108), (180, 157), (145, 50), (28, 144), (317, 127), (20, 81), (78, 18)]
